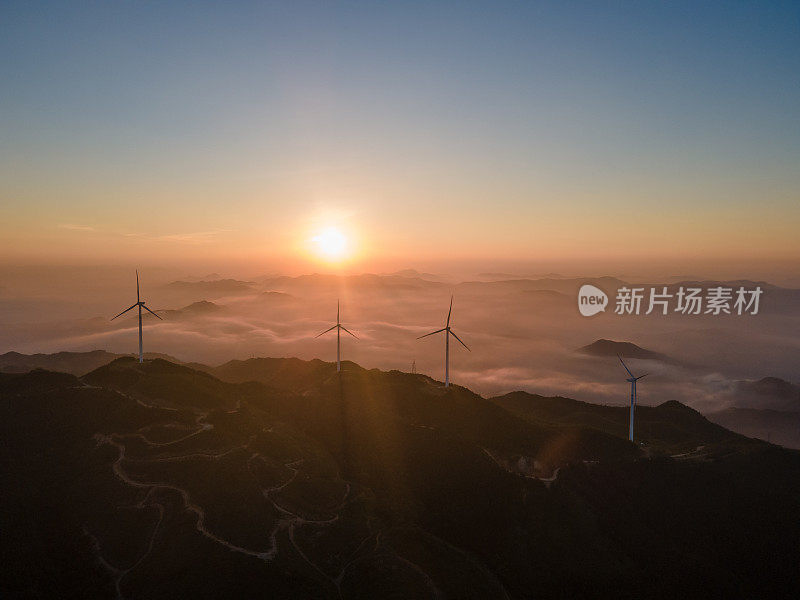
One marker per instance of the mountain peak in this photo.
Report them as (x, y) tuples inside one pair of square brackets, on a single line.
[(202, 306), (604, 347), (675, 405)]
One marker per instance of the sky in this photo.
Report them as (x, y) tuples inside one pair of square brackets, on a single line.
[(499, 133)]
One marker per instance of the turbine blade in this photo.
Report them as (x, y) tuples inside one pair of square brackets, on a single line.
[(449, 312), (642, 376), (327, 330), (126, 310), (459, 339), (151, 312), (137, 286), (624, 365), (431, 333), (350, 332), (337, 311)]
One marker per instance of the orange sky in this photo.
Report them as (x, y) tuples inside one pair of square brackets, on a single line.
[(523, 138)]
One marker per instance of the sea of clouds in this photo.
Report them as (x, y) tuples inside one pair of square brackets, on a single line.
[(524, 334)]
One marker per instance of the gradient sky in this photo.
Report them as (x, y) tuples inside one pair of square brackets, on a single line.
[(515, 131)]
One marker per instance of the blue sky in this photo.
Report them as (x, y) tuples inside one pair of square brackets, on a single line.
[(252, 119)]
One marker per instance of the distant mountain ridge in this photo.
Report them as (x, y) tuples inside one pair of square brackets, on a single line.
[(603, 347), (670, 427), (770, 393), (568, 286), (195, 309), (218, 286), (775, 426), (76, 363)]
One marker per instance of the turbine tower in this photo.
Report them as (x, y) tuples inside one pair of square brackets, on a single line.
[(447, 334), (140, 304), (339, 328), (633, 379)]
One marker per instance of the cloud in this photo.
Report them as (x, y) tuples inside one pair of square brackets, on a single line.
[(195, 237), (516, 342), (73, 227), (191, 237)]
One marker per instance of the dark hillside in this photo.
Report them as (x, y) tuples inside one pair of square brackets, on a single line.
[(155, 480)]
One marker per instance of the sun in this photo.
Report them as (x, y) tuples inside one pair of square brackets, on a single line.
[(331, 244)]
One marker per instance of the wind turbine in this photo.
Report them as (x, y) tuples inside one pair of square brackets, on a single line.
[(447, 334), (140, 304), (338, 327), (633, 379)]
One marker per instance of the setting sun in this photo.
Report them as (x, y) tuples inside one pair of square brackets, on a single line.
[(330, 244)]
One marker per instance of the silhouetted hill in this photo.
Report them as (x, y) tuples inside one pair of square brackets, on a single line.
[(284, 373), (167, 384), (775, 426), (209, 277), (36, 380), (201, 308), (155, 480), (417, 275), (277, 297), (418, 400), (77, 363), (604, 347), (770, 393), (669, 428), (494, 276)]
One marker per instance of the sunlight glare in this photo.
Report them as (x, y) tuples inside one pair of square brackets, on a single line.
[(331, 243)]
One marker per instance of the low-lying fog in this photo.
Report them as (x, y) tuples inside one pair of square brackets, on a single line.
[(523, 333)]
